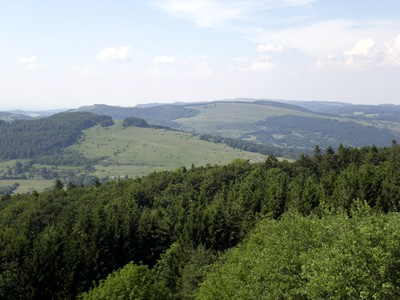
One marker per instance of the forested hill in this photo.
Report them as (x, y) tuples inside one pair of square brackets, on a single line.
[(9, 117), (33, 138), (287, 223), (386, 112)]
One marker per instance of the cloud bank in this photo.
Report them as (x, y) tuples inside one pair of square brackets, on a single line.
[(114, 54)]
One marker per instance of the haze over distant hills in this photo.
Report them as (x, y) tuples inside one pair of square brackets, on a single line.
[(289, 124)]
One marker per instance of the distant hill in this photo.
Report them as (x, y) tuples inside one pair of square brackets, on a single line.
[(10, 117), (384, 112), (283, 124), (159, 114), (286, 124)]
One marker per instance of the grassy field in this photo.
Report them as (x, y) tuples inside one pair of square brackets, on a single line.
[(28, 185), (136, 151)]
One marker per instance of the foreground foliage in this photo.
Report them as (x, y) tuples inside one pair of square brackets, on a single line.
[(168, 229), (335, 257)]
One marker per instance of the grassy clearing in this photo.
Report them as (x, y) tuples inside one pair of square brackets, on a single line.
[(138, 151), (28, 185), (135, 152)]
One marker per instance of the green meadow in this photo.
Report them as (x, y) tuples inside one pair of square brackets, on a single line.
[(134, 151)]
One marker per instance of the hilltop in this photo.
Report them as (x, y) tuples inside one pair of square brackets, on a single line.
[(292, 125)]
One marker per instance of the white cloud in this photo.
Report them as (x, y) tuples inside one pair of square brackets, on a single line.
[(211, 13), (114, 54), (164, 59), (203, 70), (365, 53), (362, 47), (329, 62), (31, 62), (28, 60), (326, 37), (393, 52), (269, 48), (262, 63)]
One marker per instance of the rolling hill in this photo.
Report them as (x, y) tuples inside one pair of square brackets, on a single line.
[(135, 151), (383, 112), (79, 147), (274, 123)]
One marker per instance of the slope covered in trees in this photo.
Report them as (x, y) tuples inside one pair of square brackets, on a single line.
[(34, 138), (168, 228), (333, 257)]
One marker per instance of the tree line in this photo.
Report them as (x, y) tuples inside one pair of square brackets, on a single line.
[(34, 138)]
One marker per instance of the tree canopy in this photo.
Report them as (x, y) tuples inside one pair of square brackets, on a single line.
[(323, 226)]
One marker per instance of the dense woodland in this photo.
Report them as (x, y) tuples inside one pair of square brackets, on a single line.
[(47, 136), (323, 226)]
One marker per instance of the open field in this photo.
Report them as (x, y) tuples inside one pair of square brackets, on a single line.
[(28, 185), (136, 151), (132, 152)]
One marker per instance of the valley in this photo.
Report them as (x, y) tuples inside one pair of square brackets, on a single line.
[(115, 152)]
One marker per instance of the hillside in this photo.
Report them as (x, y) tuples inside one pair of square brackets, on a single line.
[(81, 156), (383, 112), (294, 126), (273, 123), (163, 115), (10, 117), (135, 151)]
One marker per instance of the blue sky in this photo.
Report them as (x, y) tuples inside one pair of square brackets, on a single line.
[(57, 54)]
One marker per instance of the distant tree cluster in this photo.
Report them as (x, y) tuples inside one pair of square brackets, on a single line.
[(324, 226), (158, 114), (34, 138), (135, 122), (256, 147)]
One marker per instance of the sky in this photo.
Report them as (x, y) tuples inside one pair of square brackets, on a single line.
[(65, 54)]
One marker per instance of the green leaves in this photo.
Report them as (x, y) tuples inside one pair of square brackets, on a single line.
[(335, 257), (131, 282)]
